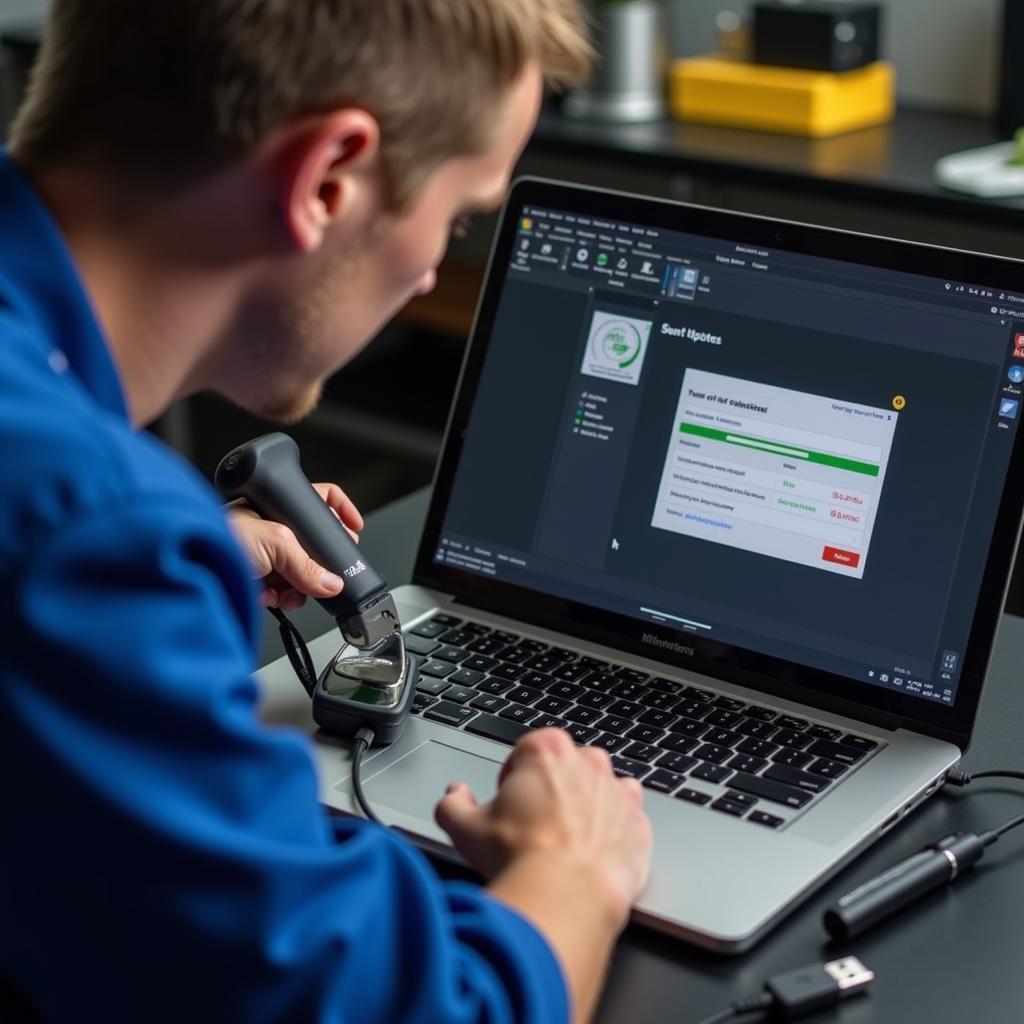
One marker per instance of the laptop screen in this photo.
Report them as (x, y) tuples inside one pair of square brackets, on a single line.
[(738, 447)]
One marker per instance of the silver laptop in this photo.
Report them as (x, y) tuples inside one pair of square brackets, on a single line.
[(735, 499)]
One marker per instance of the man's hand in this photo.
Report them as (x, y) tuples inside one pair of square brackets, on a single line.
[(565, 842), (288, 573)]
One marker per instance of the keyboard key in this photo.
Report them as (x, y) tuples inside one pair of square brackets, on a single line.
[(571, 673), (764, 818), (426, 684), (757, 748), (661, 719), (595, 699), (513, 655), (777, 792), (506, 671), (489, 702), (505, 636), (450, 714), (793, 777), (677, 744), (628, 691), (632, 675), (612, 723), (570, 691), (476, 628), (694, 796), (552, 705), (621, 766), (727, 806), (757, 729), (688, 727), (452, 654), (665, 686), (653, 699), (723, 737), (479, 663), (626, 709), (645, 733), (421, 701), (840, 752), (524, 694), (606, 741), (827, 769), (712, 772), (792, 758), (582, 734), (585, 716), (549, 722), (461, 694), (438, 669), (517, 713), (457, 637), (789, 722), (729, 703), (496, 728), (663, 781), (599, 681), (429, 629), (860, 742), (642, 751), (542, 663), (790, 738), (741, 798), (697, 693), (824, 732), (465, 677), (494, 685), (420, 644), (538, 680), (445, 619), (486, 645), (561, 654), (692, 708), (747, 763), (595, 664), (533, 646), (723, 718), (676, 762), (759, 714), (713, 753)]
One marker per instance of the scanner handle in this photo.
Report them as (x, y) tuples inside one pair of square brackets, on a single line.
[(268, 474)]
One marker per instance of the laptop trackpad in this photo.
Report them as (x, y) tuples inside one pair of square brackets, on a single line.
[(415, 782)]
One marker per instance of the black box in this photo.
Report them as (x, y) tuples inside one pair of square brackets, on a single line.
[(816, 34)]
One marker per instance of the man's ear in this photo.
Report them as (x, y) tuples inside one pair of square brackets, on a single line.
[(324, 167)]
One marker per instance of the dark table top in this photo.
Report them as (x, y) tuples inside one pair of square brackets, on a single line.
[(888, 165), (954, 956)]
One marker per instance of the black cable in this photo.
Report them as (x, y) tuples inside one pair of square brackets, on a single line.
[(794, 993), (297, 651), (966, 778), (363, 741)]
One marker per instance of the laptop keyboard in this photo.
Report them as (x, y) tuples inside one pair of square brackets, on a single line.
[(740, 759)]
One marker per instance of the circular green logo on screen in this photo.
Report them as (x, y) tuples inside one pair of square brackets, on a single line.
[(617, 342)]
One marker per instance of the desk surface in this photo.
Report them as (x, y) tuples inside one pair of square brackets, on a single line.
[(889, 164), (955, 956)]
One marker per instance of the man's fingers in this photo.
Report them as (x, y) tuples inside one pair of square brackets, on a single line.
[(342, 504), (289, 560), (458, 812)]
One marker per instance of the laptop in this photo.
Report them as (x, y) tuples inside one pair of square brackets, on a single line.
[(735, 499)]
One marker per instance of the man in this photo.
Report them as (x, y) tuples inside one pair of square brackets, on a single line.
[(234, 195)]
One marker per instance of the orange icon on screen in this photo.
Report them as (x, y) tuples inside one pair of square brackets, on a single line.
[(1018, 345)]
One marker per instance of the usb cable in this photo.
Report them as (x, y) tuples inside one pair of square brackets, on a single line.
[(794, 993)]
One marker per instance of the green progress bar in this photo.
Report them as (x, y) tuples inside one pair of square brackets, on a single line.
[(822, 458)]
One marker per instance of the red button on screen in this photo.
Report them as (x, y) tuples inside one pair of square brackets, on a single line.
[(851, 559)]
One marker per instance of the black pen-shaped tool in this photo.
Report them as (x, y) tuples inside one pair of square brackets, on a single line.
[(891, 891)]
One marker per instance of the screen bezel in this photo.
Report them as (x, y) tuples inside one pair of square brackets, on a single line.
[(771, 675)]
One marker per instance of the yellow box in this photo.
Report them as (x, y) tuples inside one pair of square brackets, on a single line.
[(715, 90)]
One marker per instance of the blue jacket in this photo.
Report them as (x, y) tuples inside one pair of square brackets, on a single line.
[(163, 855)]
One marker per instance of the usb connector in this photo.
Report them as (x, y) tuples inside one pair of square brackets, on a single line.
[(810, 988), (791, 995)]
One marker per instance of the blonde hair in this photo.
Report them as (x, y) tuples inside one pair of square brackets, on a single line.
[(164, 93)]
